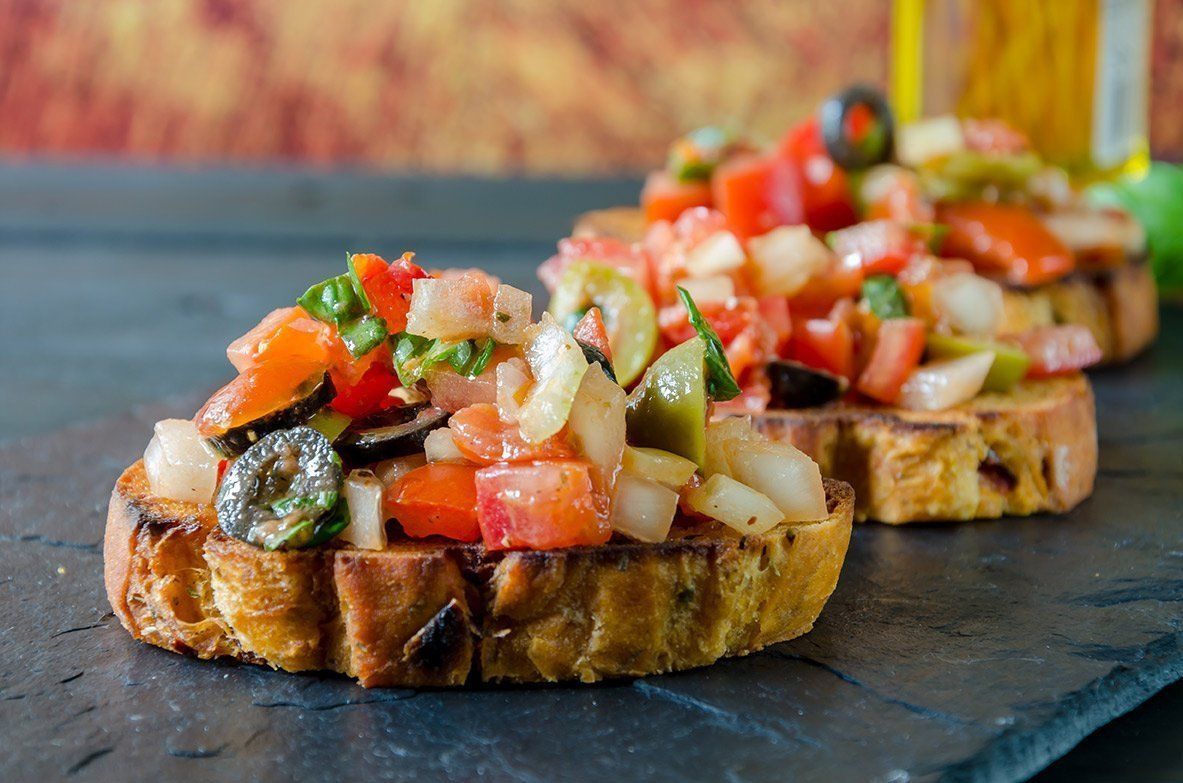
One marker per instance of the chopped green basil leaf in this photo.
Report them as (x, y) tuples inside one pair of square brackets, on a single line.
[(721, 383), (481, 360), (362, 335), (885, 297), (358, 288), (460, 355), (333, 301), (595, 356)]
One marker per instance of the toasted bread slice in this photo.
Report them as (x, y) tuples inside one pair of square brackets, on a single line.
[(1029, 451), (425, 613), (1118, 305)]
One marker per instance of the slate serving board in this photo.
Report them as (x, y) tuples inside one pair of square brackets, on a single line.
[(953, 652)]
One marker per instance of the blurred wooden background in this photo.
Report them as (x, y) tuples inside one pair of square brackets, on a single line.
[(520, 86)]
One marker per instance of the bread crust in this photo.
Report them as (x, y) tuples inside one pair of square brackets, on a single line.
[(1029, 451), (1118, 305), (425, 613)]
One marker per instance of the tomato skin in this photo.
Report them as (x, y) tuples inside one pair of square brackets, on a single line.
[(842, 281), (747, 339), (539, 505), (1058, 350), (257, 391), (438, 499), (388, 286), (822, 186), (881, 246), (824, 343), (775, 313), (485, 439), (591, 331), (665, 198), (744, 189), (369, 394), (899, 345), (1005, 238), (287, 334)]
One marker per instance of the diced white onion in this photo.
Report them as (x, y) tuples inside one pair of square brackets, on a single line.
[(790, 479), (786, 258), (457, 308), (367, 522), (452, 391), (179, 464), (720, 252), (716, 288), (512, 311), (943, 384), (643, 509), (734, 504), (439, 446), (391, 470), (666, 468), (597, 423), (717, 435), (513, 382), (969, 303), (1094, 230), (557, 364), (936, 137)]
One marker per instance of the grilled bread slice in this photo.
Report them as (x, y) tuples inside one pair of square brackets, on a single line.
[(421, 613), (1031, 450), (1118, 305)]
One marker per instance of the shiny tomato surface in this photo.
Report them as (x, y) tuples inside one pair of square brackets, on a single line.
[(484, 438), (1058, 350), (665, 198), (438, 499), (1004, 239), (539, 505), (899, 345), (257, 392)]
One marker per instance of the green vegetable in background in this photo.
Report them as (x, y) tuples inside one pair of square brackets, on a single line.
[(1156, 200), (721, 383), (885, 297)]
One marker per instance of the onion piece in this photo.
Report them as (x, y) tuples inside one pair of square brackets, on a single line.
[(439, 446), (718, 434), (942, 384), (391, 470), (790, 479), (664, 467), (453, 309), (935, 137), (786, 258), (734, 504), (367, 522), (557, 364), (452, 391), (179, 463), (597, 425), (643, 509), (513, 309), (1096, 230), (969, 303), (715, 288), (513, 383), (719, 253)]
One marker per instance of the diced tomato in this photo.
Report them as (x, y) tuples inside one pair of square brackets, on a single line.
[(880, 246), (438, 499), (1058, 350), (257, 391), (746, 339), (483, 437), (823, 187), (842, 280), (993, 135), (370, 393), (899, 198), (287, 334), (591, 331), (1007, 239), (774, 312), (743, 190), (824, 343), (665, 198), (388, 286), (619, 255), (899, 345), (539, 505)]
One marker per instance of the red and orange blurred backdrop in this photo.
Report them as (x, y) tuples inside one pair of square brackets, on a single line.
[(565, 87)]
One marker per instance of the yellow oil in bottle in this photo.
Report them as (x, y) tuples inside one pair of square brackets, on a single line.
[(1072, 74)]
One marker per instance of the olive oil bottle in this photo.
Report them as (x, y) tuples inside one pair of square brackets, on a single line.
[(1072, 74)]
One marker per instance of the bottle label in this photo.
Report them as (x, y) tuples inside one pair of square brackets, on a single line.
[(1119, 102)]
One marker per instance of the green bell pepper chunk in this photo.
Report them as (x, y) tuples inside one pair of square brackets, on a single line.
[(1010, 363), (668, 409)]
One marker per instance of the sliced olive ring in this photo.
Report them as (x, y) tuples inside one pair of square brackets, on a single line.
[(853, 154), (236, 440), (392, 433), (284, 492), (795, 385)]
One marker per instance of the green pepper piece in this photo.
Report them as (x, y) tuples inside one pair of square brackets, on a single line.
[(362, 335), (668, 409), (334, 301), (1010, 363), (330, 423), (885, 297), (721, 383)]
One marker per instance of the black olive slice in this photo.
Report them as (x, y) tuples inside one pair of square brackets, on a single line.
[(393, 433), (853, 154), (236, 440), (595, 356), (284, 492), (794, 385)]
